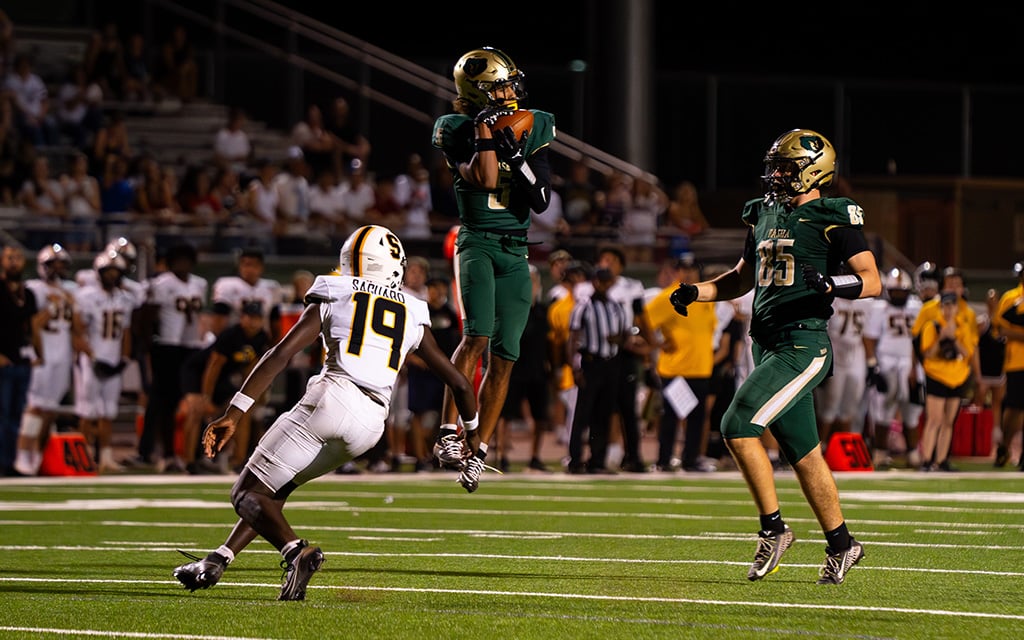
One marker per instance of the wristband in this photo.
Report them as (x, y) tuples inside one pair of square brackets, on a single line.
[(242, 402), (471, 424), (485, 144), (847, 286)]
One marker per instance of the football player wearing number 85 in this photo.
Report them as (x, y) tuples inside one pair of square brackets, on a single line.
[(795, 243), (368, 326), (499, 178)]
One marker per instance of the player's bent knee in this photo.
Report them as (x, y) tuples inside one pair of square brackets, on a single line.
[(247, 505), (736, 424)]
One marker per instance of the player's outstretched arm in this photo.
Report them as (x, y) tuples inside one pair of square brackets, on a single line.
[(273, 362), (462, 389)]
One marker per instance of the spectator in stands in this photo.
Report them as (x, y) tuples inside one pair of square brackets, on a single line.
[(117, 190), (412, 191), (138, 80), (262, 203), (178, 71), (327, 206), (155, 199), (226, 194), (639, 232), (104, 61), (42, 195), (386, 210), (231, 144), (613, 201), (549, 228), (358, 193), (578, 198), (79, 111), (111, 140), (82, 201), (684, 215), (32, 103), (315, 141), (349, 142), (292, 186), (197, 199)]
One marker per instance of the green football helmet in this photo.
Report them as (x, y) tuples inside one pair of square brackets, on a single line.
[(798, 161), (480, 73)]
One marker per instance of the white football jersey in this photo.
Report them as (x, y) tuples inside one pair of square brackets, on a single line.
[(846, 330), (624, 291), (180, 304), (59, 302), (890, 326), (89, 277), (106, 317), (236, 292), (368, 330)]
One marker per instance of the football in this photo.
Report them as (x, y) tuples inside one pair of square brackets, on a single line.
[(520, 121)]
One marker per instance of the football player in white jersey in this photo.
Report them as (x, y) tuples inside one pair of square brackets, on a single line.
[(840, 399), (368, 327), (123, 247), (102, 331), (231, 293), (170, 321), (51, 379), (892, 367)]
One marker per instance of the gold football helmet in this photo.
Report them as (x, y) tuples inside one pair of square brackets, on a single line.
[(797, 162), (480, 73)]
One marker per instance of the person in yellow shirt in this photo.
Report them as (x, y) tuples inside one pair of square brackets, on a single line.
[(559, 311), (687, 352), (1009, 319), (948, 348), (951, 280)]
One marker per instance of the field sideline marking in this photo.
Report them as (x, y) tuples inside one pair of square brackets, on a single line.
[(572, 596), (120, 634)]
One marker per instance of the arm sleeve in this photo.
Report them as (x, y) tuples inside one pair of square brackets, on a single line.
[(848, 241), (538, 193)]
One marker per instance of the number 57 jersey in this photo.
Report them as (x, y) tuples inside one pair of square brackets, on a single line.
[(368, 329)]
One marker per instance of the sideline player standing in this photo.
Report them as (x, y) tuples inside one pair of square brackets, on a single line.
[(368, 326), (796, 240), (498, 180)]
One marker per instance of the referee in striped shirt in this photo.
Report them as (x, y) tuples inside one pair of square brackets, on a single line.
[(597, 328)]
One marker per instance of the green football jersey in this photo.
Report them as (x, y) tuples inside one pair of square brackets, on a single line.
[(506, 207), (783, 242)]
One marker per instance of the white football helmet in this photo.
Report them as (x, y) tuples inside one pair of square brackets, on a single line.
[(124, 248), (375, 253), (110, 260), (53, 262), (898, 284)]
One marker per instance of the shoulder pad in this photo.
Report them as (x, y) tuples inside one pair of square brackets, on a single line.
[(751, 209), (543, 130), (447, 135), (839, 211)]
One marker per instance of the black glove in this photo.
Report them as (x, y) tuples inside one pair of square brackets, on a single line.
[(489, 115), (815, 280), (683, 297), (876, 379), (509, 149)]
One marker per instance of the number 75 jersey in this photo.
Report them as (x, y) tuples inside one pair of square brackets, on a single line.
[(368, 329)]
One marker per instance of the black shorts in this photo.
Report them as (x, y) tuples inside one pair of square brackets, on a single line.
[(1014, 397), (935, 388), (426, 391)]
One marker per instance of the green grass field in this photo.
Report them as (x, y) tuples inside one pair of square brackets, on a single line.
[(526, 556)]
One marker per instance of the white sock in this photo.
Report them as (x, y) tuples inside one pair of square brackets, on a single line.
[(23, 462), (228, 554), (287, 549)]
